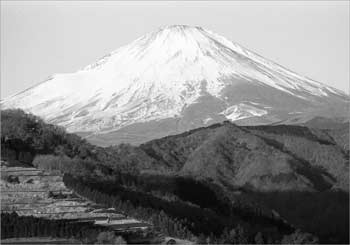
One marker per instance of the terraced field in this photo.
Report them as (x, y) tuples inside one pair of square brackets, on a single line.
[(29, 191)]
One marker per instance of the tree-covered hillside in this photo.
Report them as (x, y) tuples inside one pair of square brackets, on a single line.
[(223, 183)]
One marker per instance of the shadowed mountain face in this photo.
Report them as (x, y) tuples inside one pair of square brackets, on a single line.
[(260, 158), (172, 80)]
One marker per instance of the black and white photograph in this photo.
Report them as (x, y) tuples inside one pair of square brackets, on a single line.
[(174, 122)]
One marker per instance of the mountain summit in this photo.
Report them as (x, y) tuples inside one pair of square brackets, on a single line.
[(172, 80)]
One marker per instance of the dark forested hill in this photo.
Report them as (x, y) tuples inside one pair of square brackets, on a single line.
[(25, 136), (261, 158), (244, 181)]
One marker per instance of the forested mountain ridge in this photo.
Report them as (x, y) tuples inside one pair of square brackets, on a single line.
[(257, 157), (261, 158), (247, 172)]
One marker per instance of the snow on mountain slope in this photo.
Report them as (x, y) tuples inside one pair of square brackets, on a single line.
[(242, 111), (161, 75)]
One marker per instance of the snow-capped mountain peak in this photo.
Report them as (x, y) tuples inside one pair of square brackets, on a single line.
[(158, 76), (193, 53)]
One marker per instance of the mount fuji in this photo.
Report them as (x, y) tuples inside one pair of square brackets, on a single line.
[(172, 80)]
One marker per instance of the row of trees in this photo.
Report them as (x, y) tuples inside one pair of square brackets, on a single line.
[(176, 218), (167, 225), (13, 225)]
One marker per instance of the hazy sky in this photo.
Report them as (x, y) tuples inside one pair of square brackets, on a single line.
[(41, 38)]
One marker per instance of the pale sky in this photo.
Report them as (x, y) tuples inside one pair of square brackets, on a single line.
[(40, 38)]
